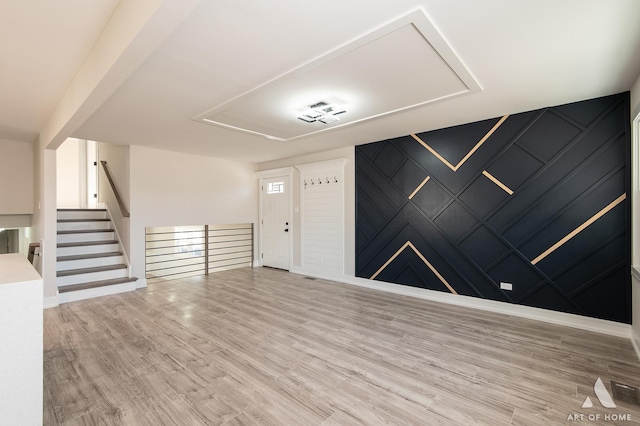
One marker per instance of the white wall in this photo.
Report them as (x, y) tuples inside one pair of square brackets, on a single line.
[(635, 225), (68, 182), (349, 200), (635, 98), (117, 158), (44, 222), (25, 240), (169, 188), (322, 218), (16, 178)]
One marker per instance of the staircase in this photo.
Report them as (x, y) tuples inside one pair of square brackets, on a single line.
[(90, 262)]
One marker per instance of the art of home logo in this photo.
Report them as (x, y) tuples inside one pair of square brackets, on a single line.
[(606, 401)]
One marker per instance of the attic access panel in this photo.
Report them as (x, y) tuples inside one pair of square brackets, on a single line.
[(402, 65)]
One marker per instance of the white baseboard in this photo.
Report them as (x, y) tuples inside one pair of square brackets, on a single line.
[(300, 271), (257, 263), (611, 328), (50, 302), (141, 283), (74, 296)]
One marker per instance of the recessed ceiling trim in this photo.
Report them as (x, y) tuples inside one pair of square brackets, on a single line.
[(416, 18), (240, 129)]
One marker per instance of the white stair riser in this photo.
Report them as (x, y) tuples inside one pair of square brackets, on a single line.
[(98, 248), (74, 226), (89, 263), (93, 276), (89, 293), (82, 222), (96, 214), (90, 236)]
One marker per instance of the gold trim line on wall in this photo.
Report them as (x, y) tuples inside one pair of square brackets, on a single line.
[(413, 194), (580, 228), (493, 179), (426, 262), (469, 154)]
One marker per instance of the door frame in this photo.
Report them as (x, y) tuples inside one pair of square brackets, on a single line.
[(635, 188), (92, 173), (286, 172)]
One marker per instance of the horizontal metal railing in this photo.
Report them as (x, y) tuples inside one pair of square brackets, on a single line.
[(183, 251), (230, 246)]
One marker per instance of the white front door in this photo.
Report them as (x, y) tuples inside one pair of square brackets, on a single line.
[(276, 222)]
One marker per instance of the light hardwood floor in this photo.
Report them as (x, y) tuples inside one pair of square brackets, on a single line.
[(256, 346)]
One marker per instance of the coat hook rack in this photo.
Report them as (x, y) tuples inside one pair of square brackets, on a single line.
[(320, 181)]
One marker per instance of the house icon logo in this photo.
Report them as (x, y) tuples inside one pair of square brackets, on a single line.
[(605, 399), (603, 396)]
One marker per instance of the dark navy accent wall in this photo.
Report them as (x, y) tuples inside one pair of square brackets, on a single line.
[(569, 169)]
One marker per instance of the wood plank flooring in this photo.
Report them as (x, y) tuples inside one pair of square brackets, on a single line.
[(257, 346)]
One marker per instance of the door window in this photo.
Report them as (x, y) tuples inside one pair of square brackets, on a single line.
[(275, 188)]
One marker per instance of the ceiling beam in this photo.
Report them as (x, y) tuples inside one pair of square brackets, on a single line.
[(134, 31)]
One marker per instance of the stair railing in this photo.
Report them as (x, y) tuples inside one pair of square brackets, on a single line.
[(123, 208), (184, 251)]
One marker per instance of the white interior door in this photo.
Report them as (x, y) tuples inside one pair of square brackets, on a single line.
[(276, 222)]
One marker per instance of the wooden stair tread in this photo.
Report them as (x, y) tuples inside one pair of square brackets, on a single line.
[(90, 270), (83, 231), (95, 284), (86, 243), (88, 256), (82, 220)]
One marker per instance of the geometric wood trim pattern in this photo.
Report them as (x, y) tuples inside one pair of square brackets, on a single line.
[(469, 154), (426, 262), (580, 228), (413, 194), (493, 179), (515, 199)]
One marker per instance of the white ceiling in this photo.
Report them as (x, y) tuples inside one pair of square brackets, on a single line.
[(523, 54), (357, 77), (42, 45)]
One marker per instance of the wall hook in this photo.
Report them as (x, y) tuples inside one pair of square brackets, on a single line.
[(319, 181), (327, 180), (335, 179), (305, 184)]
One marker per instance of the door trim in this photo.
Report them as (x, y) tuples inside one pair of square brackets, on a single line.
[(635, 186), (286, 172)]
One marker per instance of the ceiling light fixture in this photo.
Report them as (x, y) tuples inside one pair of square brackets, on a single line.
[(322, 112)]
